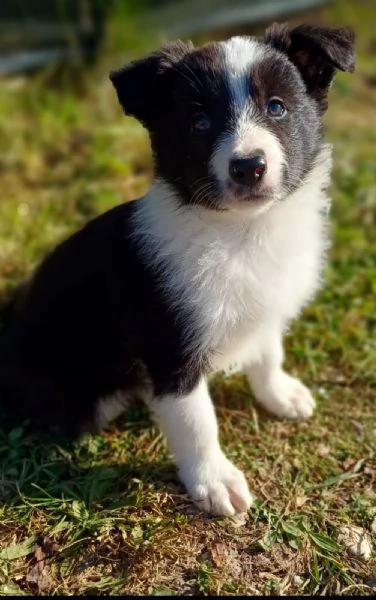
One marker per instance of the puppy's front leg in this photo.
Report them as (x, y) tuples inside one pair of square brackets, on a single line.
[(190, 426), (277, 391)]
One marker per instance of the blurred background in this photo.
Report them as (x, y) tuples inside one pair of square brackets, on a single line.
[(67, 152)]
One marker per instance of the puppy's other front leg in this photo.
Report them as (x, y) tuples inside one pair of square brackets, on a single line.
[(190, 426), (277, 391)]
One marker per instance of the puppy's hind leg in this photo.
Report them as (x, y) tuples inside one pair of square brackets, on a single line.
[(25, 395)]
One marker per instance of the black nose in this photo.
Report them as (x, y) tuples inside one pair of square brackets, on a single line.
[(248, 171)]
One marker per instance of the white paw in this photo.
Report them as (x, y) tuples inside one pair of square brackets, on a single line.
[(286, 397), (217, 486)]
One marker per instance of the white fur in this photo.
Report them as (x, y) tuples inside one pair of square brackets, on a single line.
[(239, 54), (190, 426), (242, 275)]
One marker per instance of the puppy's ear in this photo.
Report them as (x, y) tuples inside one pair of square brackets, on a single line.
[(317, 52), (144, 86)]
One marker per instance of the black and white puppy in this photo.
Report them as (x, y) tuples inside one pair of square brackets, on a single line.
[(207, 270)]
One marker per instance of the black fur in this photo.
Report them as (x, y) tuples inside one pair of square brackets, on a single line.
[(86, 326), (317, 52)]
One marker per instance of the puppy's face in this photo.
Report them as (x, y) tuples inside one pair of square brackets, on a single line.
[(236, 124)]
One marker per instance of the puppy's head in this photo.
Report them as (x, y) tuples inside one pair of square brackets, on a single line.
[(236, 124)]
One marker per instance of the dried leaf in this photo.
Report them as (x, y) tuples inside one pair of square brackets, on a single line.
[(348, 464), (300, 500), (218, 553), (238, 520), (40, 577), (370, 469), (323, 450), (356, 540), (37, 573), (358, 427)]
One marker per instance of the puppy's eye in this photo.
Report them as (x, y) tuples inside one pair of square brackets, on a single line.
[(275, 108), (201, 123)]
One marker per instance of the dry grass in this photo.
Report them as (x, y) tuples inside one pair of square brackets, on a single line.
[(107, 515)]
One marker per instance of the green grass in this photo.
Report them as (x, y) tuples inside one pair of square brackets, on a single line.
[(108, 513)]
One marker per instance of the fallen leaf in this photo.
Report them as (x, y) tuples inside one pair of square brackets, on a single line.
[(300, 500), (41, 578), (238, 520), (218, 553), (297, 580), (370, 469), (348, 464), (358, 427), (43, 548), (356, 541), (323, 450)]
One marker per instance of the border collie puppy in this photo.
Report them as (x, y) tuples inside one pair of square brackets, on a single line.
[(207, 270)]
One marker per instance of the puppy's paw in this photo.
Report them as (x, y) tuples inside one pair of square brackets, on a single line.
[(217, 486), (286, 397)]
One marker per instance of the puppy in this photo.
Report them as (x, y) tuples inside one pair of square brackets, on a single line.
[(207, 270)]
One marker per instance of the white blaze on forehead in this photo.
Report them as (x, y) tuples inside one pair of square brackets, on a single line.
[(239, 54)]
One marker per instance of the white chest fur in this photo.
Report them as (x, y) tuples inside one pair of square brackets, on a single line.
[(238, 274)]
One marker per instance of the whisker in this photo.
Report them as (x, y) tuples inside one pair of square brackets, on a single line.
[(201, 190), (187, 78), (205, 192), (194, 74)]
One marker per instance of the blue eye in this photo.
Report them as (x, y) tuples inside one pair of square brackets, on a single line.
[(201, 123), (276, 108)]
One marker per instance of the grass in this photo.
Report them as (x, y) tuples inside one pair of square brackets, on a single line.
[(107, 514)]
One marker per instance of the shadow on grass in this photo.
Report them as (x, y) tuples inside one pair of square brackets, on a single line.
[(45, 468)]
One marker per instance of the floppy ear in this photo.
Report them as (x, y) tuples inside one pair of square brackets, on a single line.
[(318, 52), (143, 86)]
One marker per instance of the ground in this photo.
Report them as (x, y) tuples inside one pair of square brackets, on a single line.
[(107, 515)]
